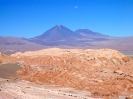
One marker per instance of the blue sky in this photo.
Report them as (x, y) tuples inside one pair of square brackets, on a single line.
[(30, 18)]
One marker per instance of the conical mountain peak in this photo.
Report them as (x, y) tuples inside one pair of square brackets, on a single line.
[(61, 35), (58, 32), (59, 25)]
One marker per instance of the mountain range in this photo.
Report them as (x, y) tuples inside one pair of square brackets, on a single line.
[(62, 37)]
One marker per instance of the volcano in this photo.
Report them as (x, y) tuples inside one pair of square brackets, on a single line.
[(60, 35), (90, 34), (58, 32), (57, 35)]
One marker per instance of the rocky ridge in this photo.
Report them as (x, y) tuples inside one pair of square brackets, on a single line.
[(105, 73)]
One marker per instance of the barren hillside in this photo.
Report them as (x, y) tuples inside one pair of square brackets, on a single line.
[(105, 73)]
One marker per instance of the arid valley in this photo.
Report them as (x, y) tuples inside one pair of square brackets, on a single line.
[(66, 74), (66, 64), (66, 49)]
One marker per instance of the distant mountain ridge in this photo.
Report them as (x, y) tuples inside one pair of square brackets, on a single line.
[(87, 32), (55, 36), (62, 37), (61, 32)]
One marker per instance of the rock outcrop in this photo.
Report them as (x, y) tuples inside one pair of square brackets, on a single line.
[(6, 59), (105, 73)]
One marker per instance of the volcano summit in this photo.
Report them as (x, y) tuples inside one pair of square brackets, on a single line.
[(62, 37)]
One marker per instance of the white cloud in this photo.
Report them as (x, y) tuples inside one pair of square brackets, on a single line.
[(76, 7)]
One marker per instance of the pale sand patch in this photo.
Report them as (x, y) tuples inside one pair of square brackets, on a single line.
[(20, 89)]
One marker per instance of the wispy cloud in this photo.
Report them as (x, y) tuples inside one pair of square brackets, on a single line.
[(76, 7)]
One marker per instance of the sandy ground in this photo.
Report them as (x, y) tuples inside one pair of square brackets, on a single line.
[(9, 70), (20, 89)]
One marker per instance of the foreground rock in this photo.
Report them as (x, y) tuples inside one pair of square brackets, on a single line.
[(105, 73)]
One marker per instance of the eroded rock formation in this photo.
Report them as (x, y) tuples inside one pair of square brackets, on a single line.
[(105, 73)]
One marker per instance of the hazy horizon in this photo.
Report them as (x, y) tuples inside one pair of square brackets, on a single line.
[(30, 18)]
